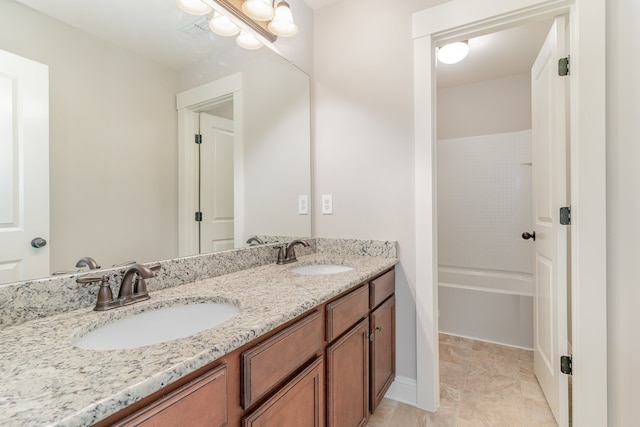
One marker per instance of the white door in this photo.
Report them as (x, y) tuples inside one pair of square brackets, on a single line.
[(216, 183), (549, 142), (24, 168)]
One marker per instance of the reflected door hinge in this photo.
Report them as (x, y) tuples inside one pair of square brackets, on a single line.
[(565, 215), (198, 139), (198, 216), (565, 365), (563, 66)]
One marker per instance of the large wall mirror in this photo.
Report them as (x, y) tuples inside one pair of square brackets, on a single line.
[(115, 172)]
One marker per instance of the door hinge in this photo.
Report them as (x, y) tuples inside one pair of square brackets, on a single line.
[(565, 365), (198, 139), (198, 216), (565, 215), (563, 66)]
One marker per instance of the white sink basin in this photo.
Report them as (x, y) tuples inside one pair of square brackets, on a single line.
[(321, 269), (157, 326)]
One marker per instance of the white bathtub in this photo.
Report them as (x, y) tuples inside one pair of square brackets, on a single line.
[(487, 305), (505, 282)]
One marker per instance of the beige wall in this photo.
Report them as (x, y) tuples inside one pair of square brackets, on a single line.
[(363, 150), (485, 108), (623, 210), (112, 143)]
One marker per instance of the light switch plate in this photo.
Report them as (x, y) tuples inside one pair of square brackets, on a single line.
[(303, 205), (327, 204)]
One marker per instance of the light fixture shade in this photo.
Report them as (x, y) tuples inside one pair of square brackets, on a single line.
[(282, 23), (222, 25), (453, 52), (260, 10), (194, 7), (248, 41)]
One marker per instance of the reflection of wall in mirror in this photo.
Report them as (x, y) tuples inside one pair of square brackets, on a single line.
[(113, 169), (113, 137)]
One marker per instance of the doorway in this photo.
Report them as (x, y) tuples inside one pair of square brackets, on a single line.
[(487, 286), (588, 239)]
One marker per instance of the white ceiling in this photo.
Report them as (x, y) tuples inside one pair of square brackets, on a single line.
[(496, 55), (152, 28)]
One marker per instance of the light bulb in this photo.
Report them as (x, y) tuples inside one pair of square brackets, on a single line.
[(194, 7), (222, 25), (248, 41), (282, 23), (453, 52), (260, 10)]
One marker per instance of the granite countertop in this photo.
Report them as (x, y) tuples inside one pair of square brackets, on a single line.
[(47, 381)]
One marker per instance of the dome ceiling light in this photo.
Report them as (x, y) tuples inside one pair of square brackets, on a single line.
[(256, 21), (453, 53)]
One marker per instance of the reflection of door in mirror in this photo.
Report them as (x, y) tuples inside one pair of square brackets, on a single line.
[(216, 183), (24, 168)]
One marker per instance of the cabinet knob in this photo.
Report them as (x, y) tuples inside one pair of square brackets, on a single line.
[(378, 328)]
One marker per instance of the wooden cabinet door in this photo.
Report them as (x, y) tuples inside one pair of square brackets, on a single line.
[(299, 403), (348, 378), (383, 360), (202, 402)]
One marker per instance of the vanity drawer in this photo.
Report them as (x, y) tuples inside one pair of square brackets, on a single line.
[(267, 364), (347, 311), (382, 288)]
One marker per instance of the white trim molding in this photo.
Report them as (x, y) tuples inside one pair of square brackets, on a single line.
[(403, 389)]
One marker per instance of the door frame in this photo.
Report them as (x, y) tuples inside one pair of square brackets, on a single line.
[(188, 104), (460, 20)]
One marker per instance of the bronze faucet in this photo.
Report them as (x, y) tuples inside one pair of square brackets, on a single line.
[(87, 262), (287, 253), (133, 287)]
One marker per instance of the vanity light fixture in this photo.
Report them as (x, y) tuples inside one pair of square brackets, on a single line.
[(222, 25), (194, 7), (256, 20), (248, 41), (260, 10), (453, 52), (282, 23)]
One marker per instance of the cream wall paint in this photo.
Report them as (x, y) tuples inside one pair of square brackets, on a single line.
[(623, 209), (363, 131), (112, 162), (485, 108)]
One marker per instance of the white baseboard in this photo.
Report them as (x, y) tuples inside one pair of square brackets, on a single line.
[(403, 390)]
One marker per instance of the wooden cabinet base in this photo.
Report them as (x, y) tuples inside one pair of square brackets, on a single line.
[(202, 402)]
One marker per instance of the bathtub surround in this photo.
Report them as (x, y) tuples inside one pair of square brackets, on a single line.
[(485, 271), (23, 301)]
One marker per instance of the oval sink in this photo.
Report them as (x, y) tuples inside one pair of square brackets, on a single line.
[(157, 326), (321, 269)]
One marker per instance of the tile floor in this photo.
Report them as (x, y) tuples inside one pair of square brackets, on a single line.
[(481, 385)]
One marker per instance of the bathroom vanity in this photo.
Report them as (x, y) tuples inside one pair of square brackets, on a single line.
[(345, 345), (315, 348)]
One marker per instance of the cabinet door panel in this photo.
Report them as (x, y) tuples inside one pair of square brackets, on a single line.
[(299, 403), (202, 402), (348, 378), (383, 361)]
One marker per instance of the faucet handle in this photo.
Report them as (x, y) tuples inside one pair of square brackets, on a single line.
[(91, 278)]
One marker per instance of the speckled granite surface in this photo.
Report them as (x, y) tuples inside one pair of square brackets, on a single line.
[(47, 381)]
